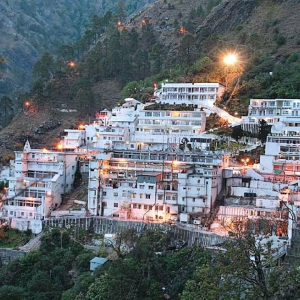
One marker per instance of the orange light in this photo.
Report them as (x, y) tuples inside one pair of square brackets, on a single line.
[(182, 29), (230, 59), (27, 103), (119, 23), (59, 146), (72, 64), (155, 85), (175, 114), (81, 126)]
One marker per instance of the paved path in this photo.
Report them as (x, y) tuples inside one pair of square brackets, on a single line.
[(223, 114), (33, 244)]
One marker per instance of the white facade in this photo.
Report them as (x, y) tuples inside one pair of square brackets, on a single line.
[(40, 180), (282, 156), (157, 130), (154, 185), (73, 139), (196, 94)]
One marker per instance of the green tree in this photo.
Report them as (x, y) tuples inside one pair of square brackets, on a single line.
[(43, 69), (7, 111), (264, 130)]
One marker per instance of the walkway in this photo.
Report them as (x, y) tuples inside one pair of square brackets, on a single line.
[(223, 114)]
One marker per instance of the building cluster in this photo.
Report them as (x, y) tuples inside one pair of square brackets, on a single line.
[(153, 162)]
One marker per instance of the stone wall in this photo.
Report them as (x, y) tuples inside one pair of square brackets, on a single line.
[(6, 255), (106, 226)]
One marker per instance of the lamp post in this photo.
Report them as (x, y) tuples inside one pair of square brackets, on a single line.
[(229, 60)]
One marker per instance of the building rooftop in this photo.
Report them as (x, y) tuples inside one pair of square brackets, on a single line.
[(99, 260)]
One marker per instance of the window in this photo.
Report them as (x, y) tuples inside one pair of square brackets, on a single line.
[(150, 207), (104, 193), (139, 206), (146, 207), (30, 214), (134, 205), (142, 187), (115, 194), (104, 204), (130, 184), (22, 213), (148, 196), (161, 208), (151, 187), (134, 195), (160, 196), (148, 114), (141, 196), (116, 204), (194, 199)]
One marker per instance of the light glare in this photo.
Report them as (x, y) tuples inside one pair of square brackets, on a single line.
[(230, 59)]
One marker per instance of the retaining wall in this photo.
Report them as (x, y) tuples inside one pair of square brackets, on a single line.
[(106, 226)]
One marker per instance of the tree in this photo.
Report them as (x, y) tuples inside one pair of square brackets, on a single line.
[(6, 108), (237, 132), (244, 268), (43, 69), (264, 130)]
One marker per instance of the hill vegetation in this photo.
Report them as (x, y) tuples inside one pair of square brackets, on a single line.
[(182, 41)]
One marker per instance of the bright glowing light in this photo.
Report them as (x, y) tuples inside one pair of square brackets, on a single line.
[(119, 23), (72, 64), (81, 126), (230, 59), (27, 103), (59, 146)]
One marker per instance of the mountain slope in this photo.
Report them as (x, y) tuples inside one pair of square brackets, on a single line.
[(30, 27)]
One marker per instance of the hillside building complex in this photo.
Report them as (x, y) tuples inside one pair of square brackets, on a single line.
[(282, 155), (38, 183)]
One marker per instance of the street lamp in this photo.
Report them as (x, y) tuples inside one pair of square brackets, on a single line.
[(245, 161), (229, 60)]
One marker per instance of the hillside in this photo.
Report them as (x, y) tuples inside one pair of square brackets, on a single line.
[(152, 46), (30, 27)]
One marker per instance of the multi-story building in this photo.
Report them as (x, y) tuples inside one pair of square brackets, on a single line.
[(195, 94), (281, 160), (156, 128), (154, 185), (38, 184)]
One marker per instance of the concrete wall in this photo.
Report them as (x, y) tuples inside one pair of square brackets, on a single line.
[(106, 226), (7, 255)]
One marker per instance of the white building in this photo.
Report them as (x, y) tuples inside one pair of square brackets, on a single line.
[(281, 160), (157, 129), (73, 139), (40, 180), (151, 163), (195, 94), (158, 185)]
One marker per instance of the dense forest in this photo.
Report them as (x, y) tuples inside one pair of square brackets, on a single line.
[(147, 266)]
